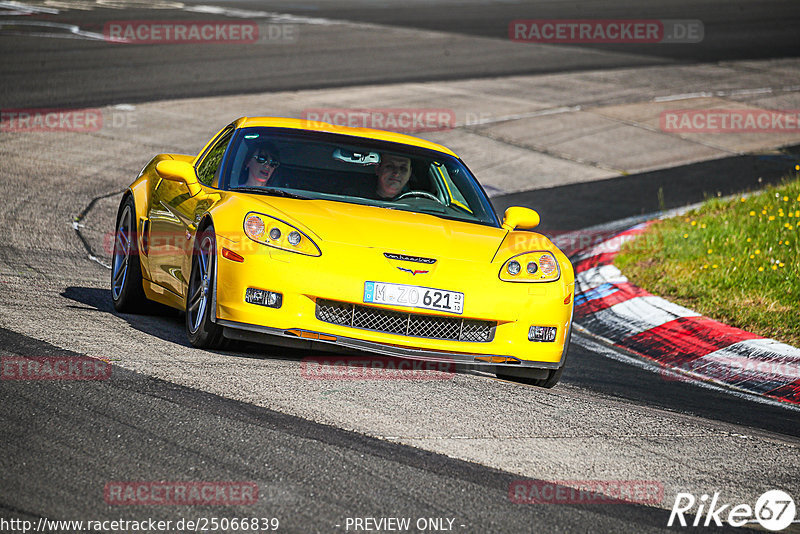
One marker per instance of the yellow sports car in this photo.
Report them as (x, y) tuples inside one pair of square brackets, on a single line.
[(286, 229)]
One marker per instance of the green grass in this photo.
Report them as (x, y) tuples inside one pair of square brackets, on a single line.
[(736, 261)]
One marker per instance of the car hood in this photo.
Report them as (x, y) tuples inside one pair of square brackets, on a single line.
[(388, 230)]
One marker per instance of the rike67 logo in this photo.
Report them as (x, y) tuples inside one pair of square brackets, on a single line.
[(774, 510)]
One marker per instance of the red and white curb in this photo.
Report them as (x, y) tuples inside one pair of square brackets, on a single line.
[(685, 345)]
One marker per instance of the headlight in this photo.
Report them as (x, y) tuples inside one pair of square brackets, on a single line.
[(281, 235), (254, 226), (540, 266)]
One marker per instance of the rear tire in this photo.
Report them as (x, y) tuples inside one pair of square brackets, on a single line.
[(127, 291), (202, 331)]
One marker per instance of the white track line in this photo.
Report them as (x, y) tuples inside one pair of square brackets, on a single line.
[(727, 92)]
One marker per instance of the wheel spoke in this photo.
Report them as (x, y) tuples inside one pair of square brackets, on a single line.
[(120, 272), (125, 241), (196, 294), (201, 264), (200, 313), (193, 304)]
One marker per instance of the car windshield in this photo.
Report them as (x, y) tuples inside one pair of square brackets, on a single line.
[(323, 166)]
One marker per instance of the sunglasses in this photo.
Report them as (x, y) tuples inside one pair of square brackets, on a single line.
[(269, 160)]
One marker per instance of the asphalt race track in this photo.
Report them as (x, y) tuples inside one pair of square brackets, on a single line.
[(447, 452)]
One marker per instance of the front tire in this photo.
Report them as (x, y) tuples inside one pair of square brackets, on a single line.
[(202, 331), (127, 291), (552, 378)]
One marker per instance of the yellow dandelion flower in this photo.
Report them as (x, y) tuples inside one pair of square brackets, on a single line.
[(797, 212), (752, 214), (714, 266), (748, 239), (694, 223), (781, 265), (771, 217), (752, 256), (786, 199), (780, 242), (787, 225), (774, 267), (763, 212), (685, 236), (797, 167), (710, 251), (743, 199), (702, 226), (758, 251), (760, 269)]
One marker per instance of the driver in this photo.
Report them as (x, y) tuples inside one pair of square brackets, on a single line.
[(260, 165), (393, 174)]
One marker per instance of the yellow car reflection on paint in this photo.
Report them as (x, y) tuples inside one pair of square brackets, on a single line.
[(290, 230)]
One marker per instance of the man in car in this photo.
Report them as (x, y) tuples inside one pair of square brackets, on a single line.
[(393, 174)]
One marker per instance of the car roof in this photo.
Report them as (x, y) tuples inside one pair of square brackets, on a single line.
[(319, 126)]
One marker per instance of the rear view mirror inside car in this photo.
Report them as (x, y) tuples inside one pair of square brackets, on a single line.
[(356, 158)]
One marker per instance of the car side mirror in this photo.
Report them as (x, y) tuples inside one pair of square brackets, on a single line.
[(178, 171), (519, 217)]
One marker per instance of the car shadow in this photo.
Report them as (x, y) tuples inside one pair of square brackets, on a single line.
[(167, 324)]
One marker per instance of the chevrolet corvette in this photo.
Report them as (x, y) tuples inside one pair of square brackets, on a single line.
[(294, 232)]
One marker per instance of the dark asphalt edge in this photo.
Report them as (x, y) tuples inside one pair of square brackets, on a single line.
[(406, 455)]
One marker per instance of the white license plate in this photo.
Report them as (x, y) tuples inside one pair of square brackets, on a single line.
[(414, 297)]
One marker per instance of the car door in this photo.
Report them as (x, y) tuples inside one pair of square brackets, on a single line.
[(174, 214)]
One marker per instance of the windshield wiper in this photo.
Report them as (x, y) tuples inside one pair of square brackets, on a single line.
[(270, 191)]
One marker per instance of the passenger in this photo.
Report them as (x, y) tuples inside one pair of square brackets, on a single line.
[(260, 165), (393, 174)]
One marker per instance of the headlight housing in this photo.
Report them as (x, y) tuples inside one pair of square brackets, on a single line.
[(534, 266), (276, 233)]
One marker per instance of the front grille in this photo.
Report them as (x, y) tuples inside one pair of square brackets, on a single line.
[(404, 323)]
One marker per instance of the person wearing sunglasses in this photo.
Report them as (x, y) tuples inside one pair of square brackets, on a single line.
[(260, 166)]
